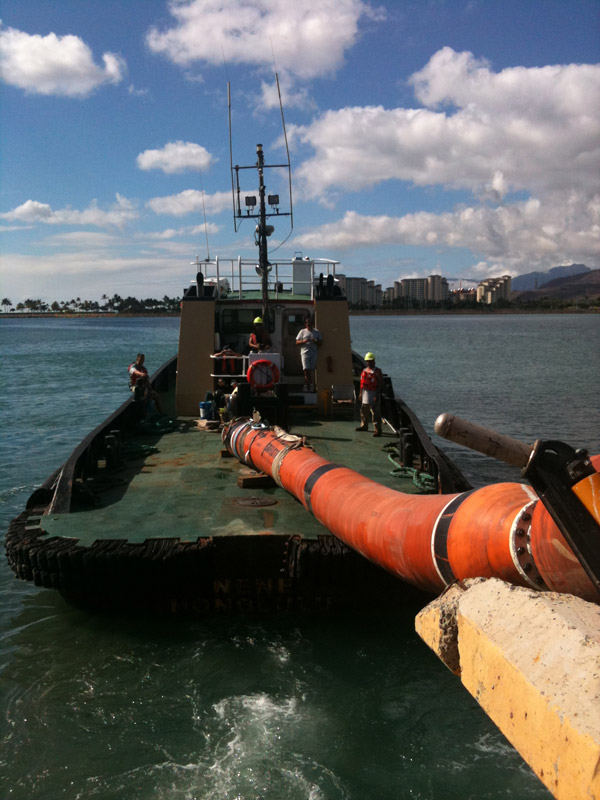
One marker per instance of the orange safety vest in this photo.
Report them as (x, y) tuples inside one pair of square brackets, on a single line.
[(370, 379), (228, 366)]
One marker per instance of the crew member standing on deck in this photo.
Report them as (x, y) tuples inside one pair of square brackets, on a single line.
[(137, 371), (260, 341), (139, 384), (371, 384), (309, 340)]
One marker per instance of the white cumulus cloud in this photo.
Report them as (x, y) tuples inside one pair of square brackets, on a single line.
[(517, 238), (309, 38), (121, 212), (522, 129), (291, 95), (532, 131), (29, 211), (176, 157), (190, 201), (54, 65), (189, 230)]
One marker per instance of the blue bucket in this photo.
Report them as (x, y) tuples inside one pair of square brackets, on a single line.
[(205, 410)]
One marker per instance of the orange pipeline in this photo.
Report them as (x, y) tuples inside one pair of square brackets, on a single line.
[(500, 531)]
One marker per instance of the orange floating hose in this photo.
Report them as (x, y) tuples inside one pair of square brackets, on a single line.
[(500, 531)]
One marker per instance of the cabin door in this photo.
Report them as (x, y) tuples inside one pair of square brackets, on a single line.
[(292, 323)]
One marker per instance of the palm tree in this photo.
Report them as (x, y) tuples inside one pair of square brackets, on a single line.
[(6, 304)]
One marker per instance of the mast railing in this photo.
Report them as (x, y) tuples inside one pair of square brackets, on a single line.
[(239, 276)]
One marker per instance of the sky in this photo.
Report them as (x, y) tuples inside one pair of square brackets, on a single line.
[(453, 137)]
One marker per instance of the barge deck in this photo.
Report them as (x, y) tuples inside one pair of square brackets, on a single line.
[(172, 524), (175, 484)]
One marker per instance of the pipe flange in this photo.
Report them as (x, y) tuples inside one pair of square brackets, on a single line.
[(520, 548)]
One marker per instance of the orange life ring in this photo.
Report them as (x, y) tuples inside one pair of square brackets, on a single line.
[(263, 367)]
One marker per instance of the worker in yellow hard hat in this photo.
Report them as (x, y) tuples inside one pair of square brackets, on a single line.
[(371, 384), (260, 341)]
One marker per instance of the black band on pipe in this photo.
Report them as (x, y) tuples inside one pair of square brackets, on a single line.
[(440, 538), (313, 478)]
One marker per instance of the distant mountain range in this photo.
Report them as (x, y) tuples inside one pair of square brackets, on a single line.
[(569, 287), (535, 280)]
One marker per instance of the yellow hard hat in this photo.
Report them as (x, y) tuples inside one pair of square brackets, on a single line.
[(258, 321), (370, 357)]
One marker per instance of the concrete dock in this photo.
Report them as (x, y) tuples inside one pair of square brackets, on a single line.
[(532, 661)]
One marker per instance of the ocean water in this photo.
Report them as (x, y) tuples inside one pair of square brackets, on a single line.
[(531, 376), (336, 708)]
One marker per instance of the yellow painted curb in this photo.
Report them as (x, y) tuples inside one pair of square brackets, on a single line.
[(532, 661)]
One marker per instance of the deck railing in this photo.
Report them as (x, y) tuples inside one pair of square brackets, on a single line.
[(298, 276)]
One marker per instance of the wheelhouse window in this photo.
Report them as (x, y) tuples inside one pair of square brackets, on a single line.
[(294, 322), (241, 320)]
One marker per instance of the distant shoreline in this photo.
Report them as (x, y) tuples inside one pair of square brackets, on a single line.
[(353, 313), (471, 311), (81, 315)]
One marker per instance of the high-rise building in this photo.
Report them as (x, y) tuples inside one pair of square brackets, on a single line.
[(433, 289), (355, 289), (413, 287), (436, 289), (360, 291), (493, 289)]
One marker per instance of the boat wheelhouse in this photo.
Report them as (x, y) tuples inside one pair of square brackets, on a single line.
[(217, 314)]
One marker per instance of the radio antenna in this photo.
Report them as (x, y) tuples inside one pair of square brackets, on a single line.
[(204, 214), (287, 150), (238, 214), (256, 208)]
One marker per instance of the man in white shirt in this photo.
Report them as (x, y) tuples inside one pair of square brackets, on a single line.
[(309, 339)]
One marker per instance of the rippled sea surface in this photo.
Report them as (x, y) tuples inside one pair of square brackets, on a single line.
[(317, 709)]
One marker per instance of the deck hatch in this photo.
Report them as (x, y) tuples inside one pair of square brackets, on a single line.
[(254, 502)]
